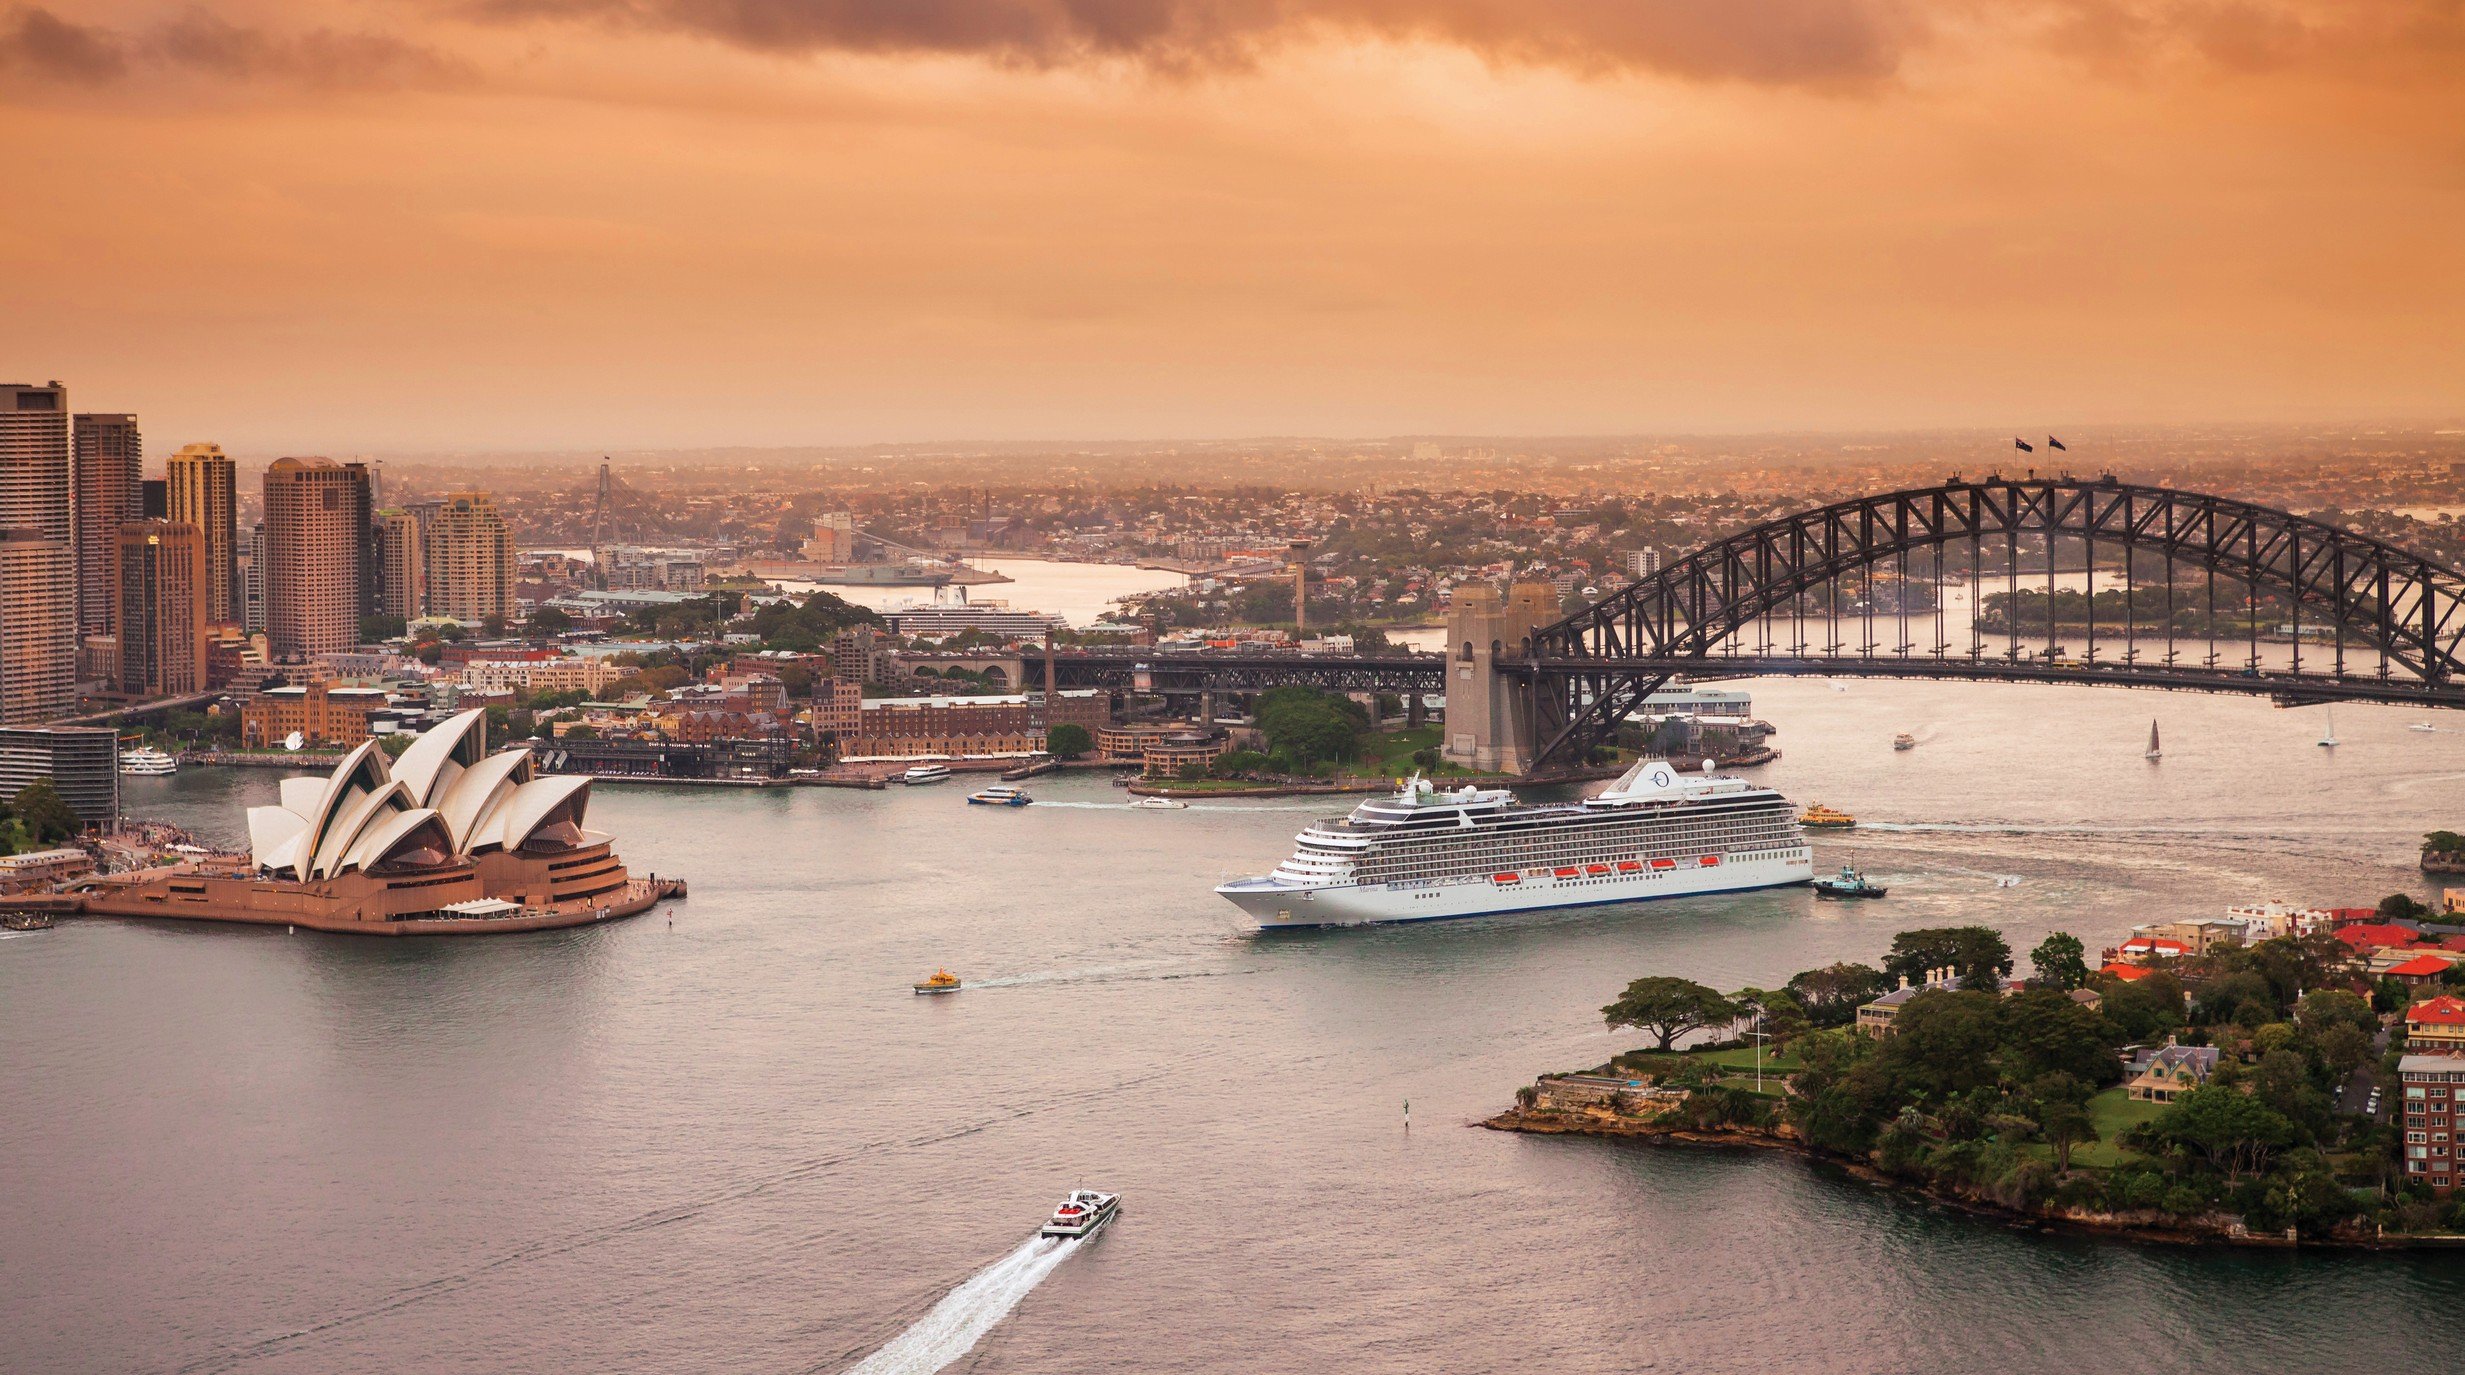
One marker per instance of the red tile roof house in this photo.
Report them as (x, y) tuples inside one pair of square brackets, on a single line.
[(2364, 939), (2436, 1026), (2421, 969), (2128, 973)]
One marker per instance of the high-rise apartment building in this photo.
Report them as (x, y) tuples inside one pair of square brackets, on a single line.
[(203, 490), (36, 492), (315, 552), (252, 579), (402, 565), (109, 472), (38, 628), (470, 558), (163, 589)]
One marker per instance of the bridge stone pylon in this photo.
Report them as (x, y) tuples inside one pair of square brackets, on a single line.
[(1489, 721)]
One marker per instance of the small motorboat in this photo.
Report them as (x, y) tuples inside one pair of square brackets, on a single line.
[(999, 795), (2425, 727), (1852, 883), (943, 981), (1160, 804), (1904, 741), (927, 773), (1082, 1214), (1820, 817)]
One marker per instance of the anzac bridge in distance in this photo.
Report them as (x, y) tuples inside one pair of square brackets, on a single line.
[(2035, 580)]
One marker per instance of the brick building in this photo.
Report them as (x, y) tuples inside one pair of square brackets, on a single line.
[(323, 715), (2432, 1086), (913, 727)]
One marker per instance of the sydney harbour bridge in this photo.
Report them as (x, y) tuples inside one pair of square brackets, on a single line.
[(2042, 580)]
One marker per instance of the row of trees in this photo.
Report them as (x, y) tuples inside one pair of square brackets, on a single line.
[(38, 818)]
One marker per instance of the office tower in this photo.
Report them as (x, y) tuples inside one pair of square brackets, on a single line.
[(163, 589), (204, 491), (108, 463), (401, 565), (315, 554), (155, 504), (252, 580), (38, 628), (470, 558), (35, 489), (82, 762)]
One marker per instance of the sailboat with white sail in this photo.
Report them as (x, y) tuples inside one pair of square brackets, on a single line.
[(2328, 738), (2155, 751)]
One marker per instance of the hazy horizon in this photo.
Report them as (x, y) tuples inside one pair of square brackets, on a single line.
[(514, 226)]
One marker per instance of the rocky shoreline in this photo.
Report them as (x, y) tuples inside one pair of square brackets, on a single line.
[(2215, 1229)]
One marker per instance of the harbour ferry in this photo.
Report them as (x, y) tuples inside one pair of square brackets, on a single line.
[(941, 981), (1423, 854), (147, 762), (1082, 1214), (927, 773), (1821, 818), (1904, 741), (999, 795)]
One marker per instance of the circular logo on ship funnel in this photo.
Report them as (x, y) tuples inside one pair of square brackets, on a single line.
[(1661, 777)]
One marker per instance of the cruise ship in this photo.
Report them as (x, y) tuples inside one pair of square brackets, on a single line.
[(1425, 853)]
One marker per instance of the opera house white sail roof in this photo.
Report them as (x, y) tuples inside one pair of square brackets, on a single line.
[(443, 800)]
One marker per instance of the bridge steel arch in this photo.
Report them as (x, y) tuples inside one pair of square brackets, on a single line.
[(1588, 671)]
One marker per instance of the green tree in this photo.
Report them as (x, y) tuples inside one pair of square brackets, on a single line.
[(548, 622), (1831, 995), (1310, 726), (2065, 1124), (1069, 740), (2042, 1032), (45, 815), (1667, 1008), (1976, 954), (2221, 1127), (2402, 907), (2060, 960), (378, 629), (2323, 1008)]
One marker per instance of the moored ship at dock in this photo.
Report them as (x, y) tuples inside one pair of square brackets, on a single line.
[(1422, 853)]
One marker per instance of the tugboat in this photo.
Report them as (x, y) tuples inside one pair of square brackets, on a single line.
[(999, 795), (1852, 883), (1821, 818), (943, 981), (1082, 1214)]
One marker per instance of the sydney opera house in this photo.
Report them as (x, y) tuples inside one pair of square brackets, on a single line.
[(444, 839)]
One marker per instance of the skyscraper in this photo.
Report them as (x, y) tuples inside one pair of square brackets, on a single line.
[(35, 489), (315, 555), (470, 557), (252, 580), (109, 463), (38, 628), (402, 565), (203, 491), (162, 585)]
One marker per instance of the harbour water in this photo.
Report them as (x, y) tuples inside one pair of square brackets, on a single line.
[(739, 1142)]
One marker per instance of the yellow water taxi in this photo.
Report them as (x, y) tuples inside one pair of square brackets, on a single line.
[(943, 981), (1820, 817)]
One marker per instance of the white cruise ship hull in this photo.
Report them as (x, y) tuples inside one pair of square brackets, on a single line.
[(1274, 905)]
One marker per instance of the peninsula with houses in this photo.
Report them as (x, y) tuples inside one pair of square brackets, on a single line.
[(2276, 1076)]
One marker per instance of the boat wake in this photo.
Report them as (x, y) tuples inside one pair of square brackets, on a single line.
[(954, 1326)]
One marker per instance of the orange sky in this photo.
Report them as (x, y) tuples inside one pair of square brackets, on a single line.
[(373, 225)]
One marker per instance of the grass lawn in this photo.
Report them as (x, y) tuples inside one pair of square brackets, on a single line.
[(2114, 1114), (1388, 753)]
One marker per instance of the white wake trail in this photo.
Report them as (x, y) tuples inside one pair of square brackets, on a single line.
[(966, 1313)]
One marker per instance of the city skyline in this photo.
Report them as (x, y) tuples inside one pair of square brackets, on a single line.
[(528, 226)]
